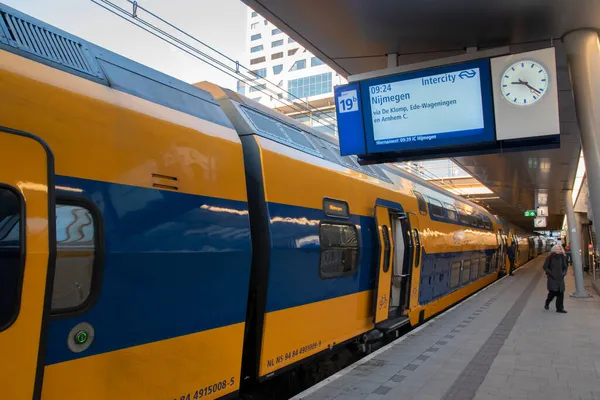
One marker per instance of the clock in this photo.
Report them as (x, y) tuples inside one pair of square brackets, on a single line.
[(524, 83)]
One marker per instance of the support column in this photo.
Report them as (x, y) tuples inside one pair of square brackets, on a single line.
[(582, 226), (575, 239), (392, 60), (583, 56)]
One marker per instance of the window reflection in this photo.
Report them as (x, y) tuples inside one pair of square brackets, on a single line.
[(75, 239)]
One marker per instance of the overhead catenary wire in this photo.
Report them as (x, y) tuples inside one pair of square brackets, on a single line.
[(234, 71)]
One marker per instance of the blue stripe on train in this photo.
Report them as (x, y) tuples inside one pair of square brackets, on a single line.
[(174, 264), (436, 272), (294, 271)]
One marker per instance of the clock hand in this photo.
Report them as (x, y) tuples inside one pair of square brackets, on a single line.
[(531, 88)]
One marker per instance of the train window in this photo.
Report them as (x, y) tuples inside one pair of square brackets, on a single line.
[(484, 266), (339, 250), (418, 246), (76, 250), (380, 173), (480, 221), (472, 220), (387, 248), (264, 124), (435, 208), (466, 272), (455, 268), (421, 202), (487, 223), (451, 212), (274, 129), (297, 136), (475, 269), (12, 250), (463, 218)]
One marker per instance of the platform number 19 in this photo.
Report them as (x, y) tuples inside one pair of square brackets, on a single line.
[(348, 101)]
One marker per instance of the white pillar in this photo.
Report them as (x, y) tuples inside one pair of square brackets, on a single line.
[(583, 56), (392, 60), (575, 237)]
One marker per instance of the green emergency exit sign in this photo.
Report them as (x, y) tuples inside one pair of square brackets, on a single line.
[(530, 213)]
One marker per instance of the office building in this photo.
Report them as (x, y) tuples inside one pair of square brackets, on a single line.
[(288, 77)]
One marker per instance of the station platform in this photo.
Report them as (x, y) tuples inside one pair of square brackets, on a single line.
[(498, 344)]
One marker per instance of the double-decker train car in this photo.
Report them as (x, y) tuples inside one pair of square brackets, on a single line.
[(511, 233), (340, 249), (518, 236), (167, 241), (125, 245)]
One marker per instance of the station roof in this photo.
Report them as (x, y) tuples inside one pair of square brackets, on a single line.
[(355, 36)]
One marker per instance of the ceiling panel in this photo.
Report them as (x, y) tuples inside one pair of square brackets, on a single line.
[(344, 29)]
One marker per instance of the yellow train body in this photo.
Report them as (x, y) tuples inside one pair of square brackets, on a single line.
[(167, 241)]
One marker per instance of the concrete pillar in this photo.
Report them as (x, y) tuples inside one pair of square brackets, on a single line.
[(583, 56), (392, 60), (575, 239), (582, 226)]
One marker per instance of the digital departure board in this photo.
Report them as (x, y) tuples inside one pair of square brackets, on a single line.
[(475, 106), (428, 109)]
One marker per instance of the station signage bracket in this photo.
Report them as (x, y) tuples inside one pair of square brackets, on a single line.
[(462, 109)]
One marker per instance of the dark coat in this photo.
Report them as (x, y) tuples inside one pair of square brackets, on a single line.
[(511, 251), (556, 270)]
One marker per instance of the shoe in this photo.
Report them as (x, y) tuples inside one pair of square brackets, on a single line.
[(561, 311), (546, 307)]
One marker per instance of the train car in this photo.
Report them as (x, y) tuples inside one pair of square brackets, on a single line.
[(532, 248), (522, 256), (345, 252), (165, 241), (543, 244), (519, 236), (124, 229)]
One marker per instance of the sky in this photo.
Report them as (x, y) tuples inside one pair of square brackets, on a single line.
[(219, 23)]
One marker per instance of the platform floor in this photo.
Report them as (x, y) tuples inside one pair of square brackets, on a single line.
[(499, 344)]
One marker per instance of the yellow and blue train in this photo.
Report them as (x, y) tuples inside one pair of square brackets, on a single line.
[(160, 240)]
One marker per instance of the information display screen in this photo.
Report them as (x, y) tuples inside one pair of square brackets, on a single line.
[(448, 106), (438, 107)]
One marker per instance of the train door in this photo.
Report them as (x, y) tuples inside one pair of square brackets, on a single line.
[(504, 253), (383, 279), (26, 261), (392, 279), (401, 275), (500, 265), (415, 260)]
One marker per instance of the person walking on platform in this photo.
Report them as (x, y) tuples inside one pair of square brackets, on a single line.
[(511, 252), (556, 268)]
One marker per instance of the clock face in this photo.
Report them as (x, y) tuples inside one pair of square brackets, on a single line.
[(524, 83)]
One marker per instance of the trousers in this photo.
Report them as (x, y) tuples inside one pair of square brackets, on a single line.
[(560, 297), (512, 265)]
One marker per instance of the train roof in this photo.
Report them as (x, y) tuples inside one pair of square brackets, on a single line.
[(28, 37)]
